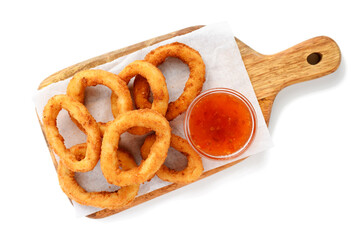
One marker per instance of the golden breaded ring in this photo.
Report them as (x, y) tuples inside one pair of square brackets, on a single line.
[(80, 113), (141, 118), (93, 77), (109, 200), (193, 85), (194, 166), (157, 84)]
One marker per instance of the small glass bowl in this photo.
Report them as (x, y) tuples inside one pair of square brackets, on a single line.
[(238, 96)]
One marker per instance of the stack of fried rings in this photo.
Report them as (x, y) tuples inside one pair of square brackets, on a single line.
[(117, 165)]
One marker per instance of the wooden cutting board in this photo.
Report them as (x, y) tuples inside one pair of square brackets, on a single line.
[(269, 74)]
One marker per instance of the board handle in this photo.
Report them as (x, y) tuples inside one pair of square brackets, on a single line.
[(313, 58), (308, 60)]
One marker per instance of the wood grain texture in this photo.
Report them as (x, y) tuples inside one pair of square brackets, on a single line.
[(271, 73), (268, 74)]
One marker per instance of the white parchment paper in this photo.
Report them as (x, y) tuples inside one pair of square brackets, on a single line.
[(224, 68)]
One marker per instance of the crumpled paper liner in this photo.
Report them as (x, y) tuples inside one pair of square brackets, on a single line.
[(224, 68)]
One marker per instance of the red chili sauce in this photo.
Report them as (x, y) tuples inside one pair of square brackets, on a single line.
[(220, 124)]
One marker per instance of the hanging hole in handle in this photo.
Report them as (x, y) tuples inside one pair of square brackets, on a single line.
[(314, 58)]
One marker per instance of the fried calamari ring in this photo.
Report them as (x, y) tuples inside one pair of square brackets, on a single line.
[(93, 77), (194, 166), (193, 85), (142, 118), (157, 84), (109, 200), (80, 113)]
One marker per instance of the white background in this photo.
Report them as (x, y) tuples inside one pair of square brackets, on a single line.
[(305, 187)]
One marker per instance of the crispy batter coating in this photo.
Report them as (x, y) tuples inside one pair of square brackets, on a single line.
[(142, 118), (157, 84), (93, 77), (79, 112), (117, 165), (194, 166), (109, 200), (141, 93), (193, 85)]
